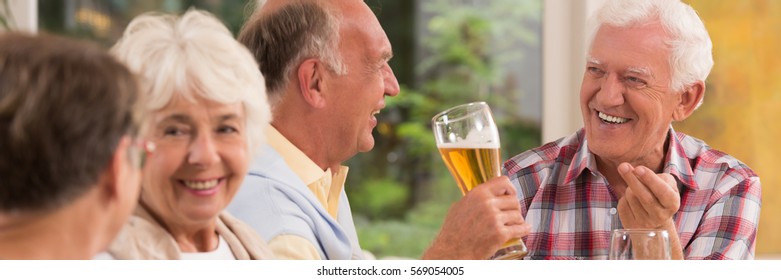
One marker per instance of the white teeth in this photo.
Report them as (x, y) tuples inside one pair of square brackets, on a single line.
[(375, 113), (612, 119), (201, 185)]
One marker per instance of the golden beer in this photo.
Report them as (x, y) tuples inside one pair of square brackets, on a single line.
[(471, 166), (468, 142)]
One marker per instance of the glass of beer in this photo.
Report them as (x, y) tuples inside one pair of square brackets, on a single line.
[(468, 141)]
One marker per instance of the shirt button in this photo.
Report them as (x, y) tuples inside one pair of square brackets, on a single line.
[(613, 211)]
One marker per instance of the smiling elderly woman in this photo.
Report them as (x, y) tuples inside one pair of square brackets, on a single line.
[(207, 107)]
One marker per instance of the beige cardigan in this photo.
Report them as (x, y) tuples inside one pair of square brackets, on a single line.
[(142, 238)]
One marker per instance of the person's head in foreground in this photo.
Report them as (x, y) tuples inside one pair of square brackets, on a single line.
[(69, 152), (207, 108)]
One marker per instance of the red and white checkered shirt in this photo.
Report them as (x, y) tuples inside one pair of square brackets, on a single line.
[(572, 211)]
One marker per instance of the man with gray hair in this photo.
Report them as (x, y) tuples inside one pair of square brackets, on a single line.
[(627, 168), (327, 75)]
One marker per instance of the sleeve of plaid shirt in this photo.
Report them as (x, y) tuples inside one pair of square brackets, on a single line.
[(728, 229)]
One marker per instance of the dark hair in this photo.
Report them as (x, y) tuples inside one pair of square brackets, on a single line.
[(64, 107), (282, 38)]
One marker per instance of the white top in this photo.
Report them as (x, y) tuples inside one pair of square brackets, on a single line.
[(223, 252)]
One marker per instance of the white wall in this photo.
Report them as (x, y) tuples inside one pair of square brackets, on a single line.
[(563, 60), (24, 15)]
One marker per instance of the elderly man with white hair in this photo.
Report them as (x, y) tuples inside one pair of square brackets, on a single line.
[(628, 168)]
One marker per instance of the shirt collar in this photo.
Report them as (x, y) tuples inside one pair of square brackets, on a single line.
[(676, 162), (325, 185), (583, 158), (300, 163)]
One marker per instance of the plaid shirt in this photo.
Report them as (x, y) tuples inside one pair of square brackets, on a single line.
[(572, 210)]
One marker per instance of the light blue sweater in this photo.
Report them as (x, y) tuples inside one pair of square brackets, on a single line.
[(274, 201)]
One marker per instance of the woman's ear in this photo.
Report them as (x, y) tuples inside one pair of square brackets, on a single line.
[(689, 100), (310, 82)]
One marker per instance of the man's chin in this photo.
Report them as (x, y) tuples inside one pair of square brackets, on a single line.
[(365, 148), (366, 145)]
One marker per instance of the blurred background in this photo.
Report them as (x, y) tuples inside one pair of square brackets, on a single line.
[(448, 52)]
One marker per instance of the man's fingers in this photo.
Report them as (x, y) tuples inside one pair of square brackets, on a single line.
[(519, 230), (499, 186), (649, 198), (512, 217), (625, 212), (669, 180), (626, 171), (637, 197), (662, 187), (635, 183), (636, 206)]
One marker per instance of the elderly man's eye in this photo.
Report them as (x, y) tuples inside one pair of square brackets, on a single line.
[(595, 71), (635, 82)]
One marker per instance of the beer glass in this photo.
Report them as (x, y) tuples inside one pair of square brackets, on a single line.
[(639, 244), (468, 142)]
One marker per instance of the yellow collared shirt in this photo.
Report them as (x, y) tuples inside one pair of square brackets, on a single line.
[(324, 184)]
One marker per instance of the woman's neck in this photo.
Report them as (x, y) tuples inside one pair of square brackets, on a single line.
[(203, 239), (191, 238)]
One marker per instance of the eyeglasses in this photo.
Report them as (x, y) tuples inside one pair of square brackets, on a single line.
[(145, 149)]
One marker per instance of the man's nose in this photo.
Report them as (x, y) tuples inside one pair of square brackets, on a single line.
[(391, 83), (611, 92)]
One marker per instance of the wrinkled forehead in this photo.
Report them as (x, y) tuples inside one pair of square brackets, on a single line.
[(639, 42)]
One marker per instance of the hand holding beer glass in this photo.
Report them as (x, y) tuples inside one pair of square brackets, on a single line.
[(468, 141)]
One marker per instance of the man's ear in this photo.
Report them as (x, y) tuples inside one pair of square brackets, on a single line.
[(688, 101), (311, 74)]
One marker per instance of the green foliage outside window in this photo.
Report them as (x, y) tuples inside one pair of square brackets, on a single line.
[(464, 51)]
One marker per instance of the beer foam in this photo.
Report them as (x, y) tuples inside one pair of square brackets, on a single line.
[(463, 145), (475, 140)]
